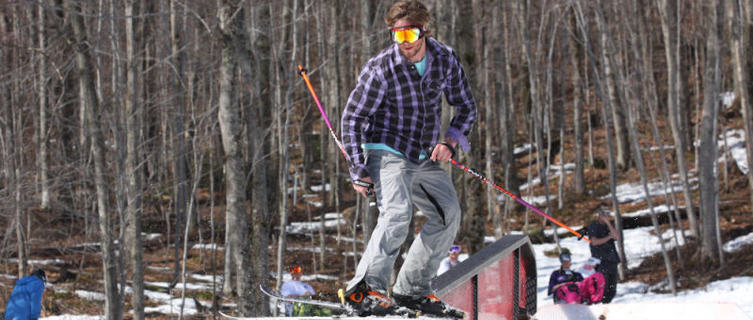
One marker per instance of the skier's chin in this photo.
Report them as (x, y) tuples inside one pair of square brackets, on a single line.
[(409, 52)]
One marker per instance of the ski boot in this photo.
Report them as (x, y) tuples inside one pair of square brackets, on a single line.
[(366, 302), (428, 305)]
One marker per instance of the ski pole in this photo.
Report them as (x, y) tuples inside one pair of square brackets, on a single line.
[(486, 180), (305, 76)]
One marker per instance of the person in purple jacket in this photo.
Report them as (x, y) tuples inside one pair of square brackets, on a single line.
[(563, 276), (391, 132), (25, 301)]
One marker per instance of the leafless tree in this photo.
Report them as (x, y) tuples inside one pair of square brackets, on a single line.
[(670, 26), (133, 110), (88, 99), (231, 126), (711, 249)]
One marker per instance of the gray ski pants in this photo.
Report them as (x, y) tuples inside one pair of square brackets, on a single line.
[(399, 184)]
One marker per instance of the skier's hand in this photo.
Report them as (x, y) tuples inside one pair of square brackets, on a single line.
[(615, 235), (361, 186), (444, 151)]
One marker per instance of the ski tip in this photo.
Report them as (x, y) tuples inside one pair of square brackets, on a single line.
[(341, 295)]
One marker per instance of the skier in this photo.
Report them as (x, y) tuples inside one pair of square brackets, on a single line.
[(563, 279), (451, 261), (391, 133), (25, 302), (295, 288), (603, 236)]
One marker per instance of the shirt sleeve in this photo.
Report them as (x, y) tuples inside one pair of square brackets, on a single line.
[(592, 230), (309, 288), (460, 96), (444, 266), (552, 282), (362, 103), (286, 290)]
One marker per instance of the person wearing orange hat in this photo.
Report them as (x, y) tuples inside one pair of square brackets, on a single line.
[(295, 287)]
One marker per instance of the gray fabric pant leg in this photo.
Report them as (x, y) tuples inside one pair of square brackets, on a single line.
[(434, 194), (400, 184)]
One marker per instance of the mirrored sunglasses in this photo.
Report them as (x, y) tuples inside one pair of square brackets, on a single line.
[(296, 270), (409, 34), (455, 248)]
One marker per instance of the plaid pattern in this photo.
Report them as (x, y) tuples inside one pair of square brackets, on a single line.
[(392, 104)]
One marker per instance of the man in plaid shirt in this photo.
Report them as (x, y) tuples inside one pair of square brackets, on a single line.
[(391, 132)]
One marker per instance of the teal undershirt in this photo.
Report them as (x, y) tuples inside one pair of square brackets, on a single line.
[(421, 66), (382, 146)]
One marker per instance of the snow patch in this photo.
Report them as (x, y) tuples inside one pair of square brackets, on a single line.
[(738, 243), (73, 317), (90, 295), (207, 246)]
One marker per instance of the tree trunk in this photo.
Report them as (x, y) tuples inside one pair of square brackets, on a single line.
[(668, 11), (491, 92), (12, 149), (231, 128), (42, 160), (708, 149), (472, 226), (579, 185), (615, 107), (88, 99), (133, 110), (178, 133), (739, 34), (510, 124), (260, 216)]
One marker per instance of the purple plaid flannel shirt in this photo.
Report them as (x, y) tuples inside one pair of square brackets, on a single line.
[(393, 105)]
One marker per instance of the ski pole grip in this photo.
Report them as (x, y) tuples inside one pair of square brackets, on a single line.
[(449, 146), (369, 186), (363, 184)]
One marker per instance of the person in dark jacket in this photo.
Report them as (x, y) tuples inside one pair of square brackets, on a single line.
[(25, 301), (603, 237), (563, 276)]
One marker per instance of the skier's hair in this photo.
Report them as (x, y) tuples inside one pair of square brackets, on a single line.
[(412, 10)]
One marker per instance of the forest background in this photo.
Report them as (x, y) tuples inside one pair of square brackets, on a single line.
[(189, 119)]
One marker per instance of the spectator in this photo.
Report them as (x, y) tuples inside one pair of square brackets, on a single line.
[(295, 288), (603, 236), (25, 301), (563, 277), (589, 267), (451, 261)]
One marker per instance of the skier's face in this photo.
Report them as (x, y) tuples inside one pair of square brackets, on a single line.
[(413, 51)]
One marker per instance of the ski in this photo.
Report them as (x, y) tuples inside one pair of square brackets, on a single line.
[(340, 308), (334, 306)]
